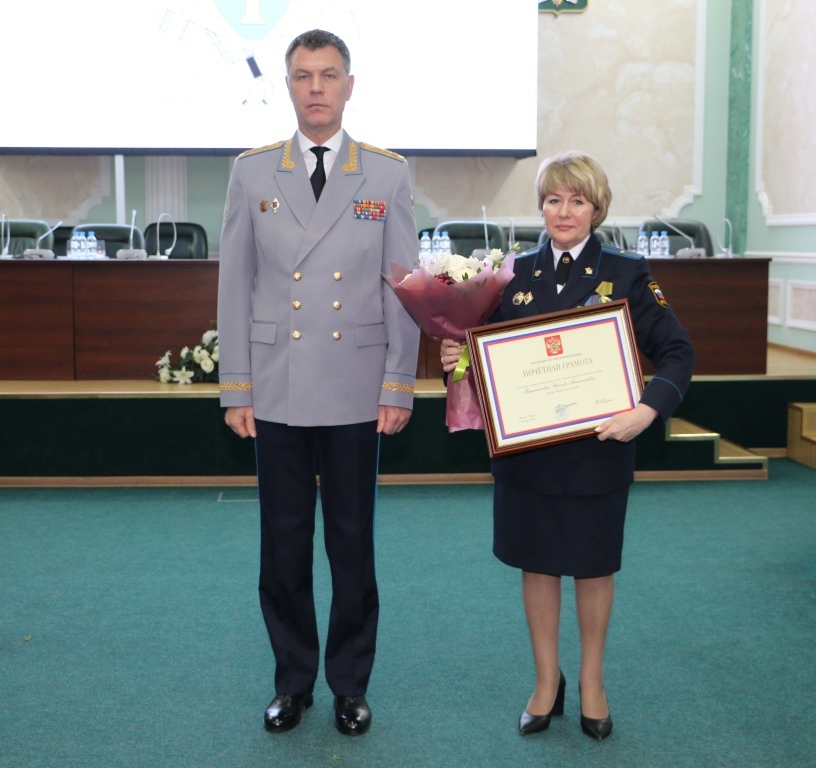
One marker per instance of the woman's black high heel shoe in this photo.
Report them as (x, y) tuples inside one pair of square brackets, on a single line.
[(536, 723), (596, 729)]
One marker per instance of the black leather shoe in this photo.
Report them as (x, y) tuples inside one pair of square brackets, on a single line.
[(536, 723), (596, 728), (284, 711), (352, 715)]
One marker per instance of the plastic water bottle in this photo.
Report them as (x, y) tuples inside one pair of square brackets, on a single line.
[(664, 244), (91, 243), (643, 244), (654, 244), (435, 242), (445, 244), (83, 245), (73, 244), (424, 249)]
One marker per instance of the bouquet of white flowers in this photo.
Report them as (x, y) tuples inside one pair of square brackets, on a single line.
[(197, 364), (446, 294)]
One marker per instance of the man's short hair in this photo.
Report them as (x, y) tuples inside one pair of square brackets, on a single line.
[(318, 38)]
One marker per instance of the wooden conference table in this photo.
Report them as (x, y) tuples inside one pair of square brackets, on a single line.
[(64, 320)]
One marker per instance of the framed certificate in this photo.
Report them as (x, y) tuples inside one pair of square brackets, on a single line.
[(554, 377)]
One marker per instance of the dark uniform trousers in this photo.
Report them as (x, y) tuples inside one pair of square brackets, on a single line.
[(345, 457)]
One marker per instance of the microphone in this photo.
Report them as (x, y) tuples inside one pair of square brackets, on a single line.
[(725, 245), (167, 253), (5, 239), (41, 253), (684, 253), (130, 252)]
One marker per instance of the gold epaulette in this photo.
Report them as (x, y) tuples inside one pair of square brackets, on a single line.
[(266, 148), (235, 386), (392, 386), (386, 152)]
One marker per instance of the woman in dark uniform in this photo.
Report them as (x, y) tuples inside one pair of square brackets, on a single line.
[(559, 510)]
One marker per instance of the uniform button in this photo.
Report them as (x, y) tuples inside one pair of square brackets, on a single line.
[(336, 335), (295, 335), (297, 275), (296, 305), (338, 276), (336, 305)]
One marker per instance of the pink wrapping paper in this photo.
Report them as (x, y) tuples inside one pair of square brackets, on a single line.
[(444, 311)]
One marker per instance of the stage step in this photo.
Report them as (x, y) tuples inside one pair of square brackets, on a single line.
[(724, 452), (802, 433)]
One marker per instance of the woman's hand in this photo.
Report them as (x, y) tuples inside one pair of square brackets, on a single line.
[(628, 425), (451, 352)]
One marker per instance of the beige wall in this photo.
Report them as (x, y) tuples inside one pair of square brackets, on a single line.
[(619, 81)]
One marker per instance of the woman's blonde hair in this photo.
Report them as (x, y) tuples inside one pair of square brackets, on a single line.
[(580, 174)]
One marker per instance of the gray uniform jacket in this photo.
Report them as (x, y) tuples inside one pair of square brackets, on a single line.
[(309, 332)]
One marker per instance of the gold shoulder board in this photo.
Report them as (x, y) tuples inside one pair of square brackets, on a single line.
[(387, 153), (266, 148)]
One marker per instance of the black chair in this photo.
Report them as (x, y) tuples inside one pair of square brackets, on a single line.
[(62, 236), (611, 235), (115, 236), (191, 240), (468, 236), (25, 233), (696, 230), (526, 237)]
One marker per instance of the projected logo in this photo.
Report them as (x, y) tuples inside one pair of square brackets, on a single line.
[(252, 19), (559, 6)]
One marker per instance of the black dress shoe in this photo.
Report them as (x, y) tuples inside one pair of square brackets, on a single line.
[(352, 715), (536, 723), (284, 711), (595, 728)]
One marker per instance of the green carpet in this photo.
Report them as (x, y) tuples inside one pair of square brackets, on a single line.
[(130, 634)]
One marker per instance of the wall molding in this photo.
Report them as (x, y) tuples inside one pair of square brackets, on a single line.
[(785, 257), (800, 295), (775, 295), (771, 219)]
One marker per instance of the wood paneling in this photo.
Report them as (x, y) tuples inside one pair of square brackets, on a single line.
[(112, 320), (723, 303), (36, 320), (127, 314)]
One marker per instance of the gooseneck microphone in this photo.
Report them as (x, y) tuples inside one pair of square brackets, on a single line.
[(130, 252), (169, 250), (692, 252), (41, 253)]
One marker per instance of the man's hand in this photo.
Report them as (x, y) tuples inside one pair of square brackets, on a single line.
[(241, 420), (628, 425), (392, 419)]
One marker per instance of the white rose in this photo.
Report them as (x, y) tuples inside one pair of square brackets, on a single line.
[(164, 374), (197, 354), (215, 353), (208, 337), (207, 365)]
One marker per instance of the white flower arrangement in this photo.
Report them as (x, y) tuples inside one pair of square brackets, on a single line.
[(197, 364), (453, 268)]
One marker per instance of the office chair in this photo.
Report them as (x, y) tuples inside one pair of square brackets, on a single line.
[(24, 233), (468, 236), (526, 237), (115, 236), (62, 236), (696, 230), (191, 240)]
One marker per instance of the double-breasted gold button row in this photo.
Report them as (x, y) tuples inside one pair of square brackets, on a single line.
[(297, 334), (336, 276), (298, 305)]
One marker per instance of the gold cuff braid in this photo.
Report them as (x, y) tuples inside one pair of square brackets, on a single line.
[(392, 386), (235, 386)]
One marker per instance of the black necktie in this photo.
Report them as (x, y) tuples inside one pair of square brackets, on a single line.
[(319, 176), (563, 269)]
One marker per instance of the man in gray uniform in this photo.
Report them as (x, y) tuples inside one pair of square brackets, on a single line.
[(318, 358)]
